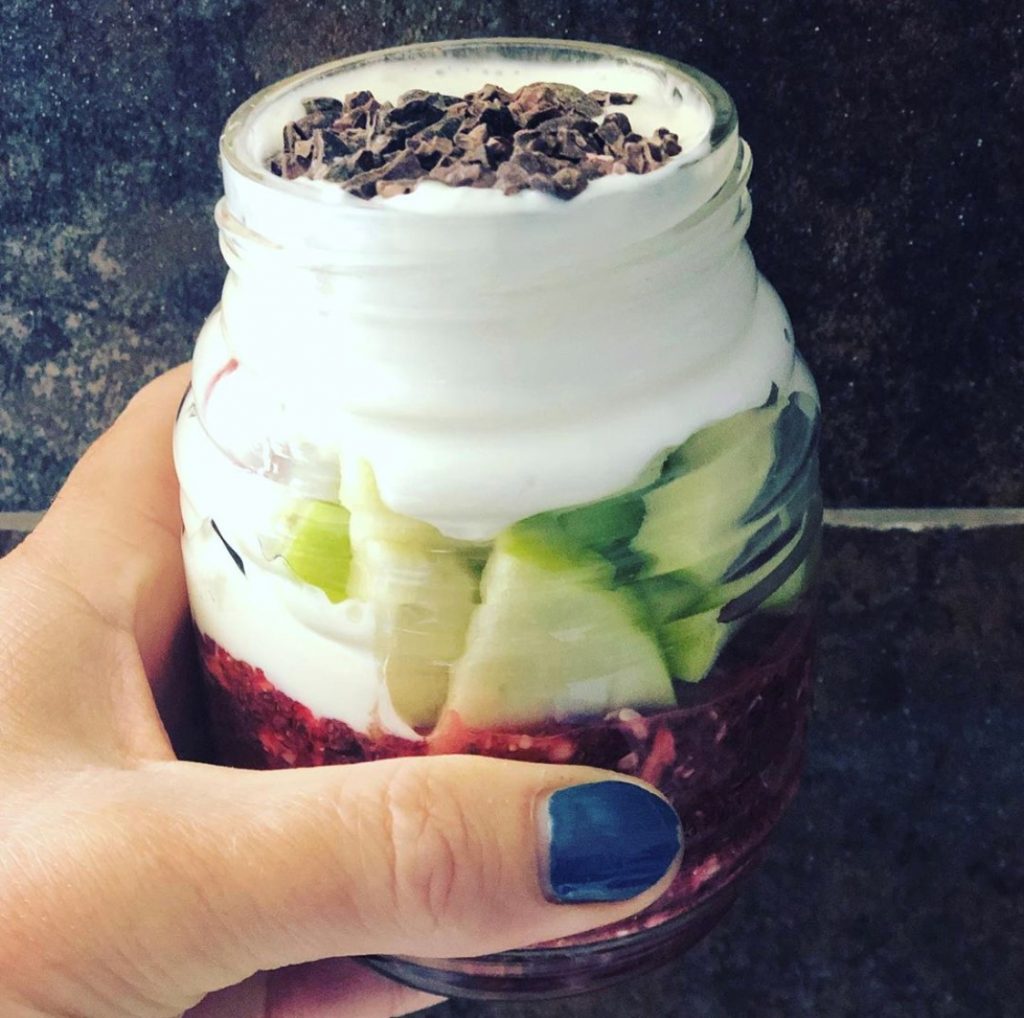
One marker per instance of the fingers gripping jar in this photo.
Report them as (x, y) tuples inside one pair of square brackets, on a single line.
[(465, 472)]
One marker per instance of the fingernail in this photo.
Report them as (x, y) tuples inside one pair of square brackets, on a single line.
[(608, 841)]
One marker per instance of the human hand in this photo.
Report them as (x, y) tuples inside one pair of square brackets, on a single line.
[(134, 883)]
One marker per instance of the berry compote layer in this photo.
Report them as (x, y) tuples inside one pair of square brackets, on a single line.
[(728, 757)]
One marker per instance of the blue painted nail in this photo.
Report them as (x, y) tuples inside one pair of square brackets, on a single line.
[(608, 841)]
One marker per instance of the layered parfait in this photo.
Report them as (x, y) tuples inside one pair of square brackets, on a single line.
[(424, 521)]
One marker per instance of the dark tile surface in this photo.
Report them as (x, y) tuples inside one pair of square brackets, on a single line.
[(888, 198), (9, 539), (895, 887)]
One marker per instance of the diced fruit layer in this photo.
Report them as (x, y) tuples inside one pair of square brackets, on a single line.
[(605, 529), (424, 588), (584, 609), (693, 513), (730, 521), (317, 547), (691, 644), (550, 642)]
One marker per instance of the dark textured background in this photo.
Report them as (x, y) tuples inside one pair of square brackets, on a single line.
[(886, 182)]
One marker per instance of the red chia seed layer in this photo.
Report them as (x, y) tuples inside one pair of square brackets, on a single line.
[(728, 757)]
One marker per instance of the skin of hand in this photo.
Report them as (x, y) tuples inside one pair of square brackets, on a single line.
[(136, 883)]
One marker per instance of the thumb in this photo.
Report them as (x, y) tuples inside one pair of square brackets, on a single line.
[(239, 871), (436, 857)]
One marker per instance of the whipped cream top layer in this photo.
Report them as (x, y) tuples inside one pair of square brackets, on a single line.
[(490, 356)]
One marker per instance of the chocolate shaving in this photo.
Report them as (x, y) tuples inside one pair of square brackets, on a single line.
[(546, 136), (613, 98)]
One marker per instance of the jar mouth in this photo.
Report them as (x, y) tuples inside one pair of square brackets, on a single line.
[(252, 132)]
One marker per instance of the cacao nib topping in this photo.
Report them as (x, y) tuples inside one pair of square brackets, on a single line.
[(546, 137)]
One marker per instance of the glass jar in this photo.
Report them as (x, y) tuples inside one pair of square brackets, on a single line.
[(468, 472)]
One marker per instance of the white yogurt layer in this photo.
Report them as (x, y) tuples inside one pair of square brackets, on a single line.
[(494, 356), (489, 356), (321, 654)]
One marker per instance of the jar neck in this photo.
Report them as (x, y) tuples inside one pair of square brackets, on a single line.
[(647, 294)]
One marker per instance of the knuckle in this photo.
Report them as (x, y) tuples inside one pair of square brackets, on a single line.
[(432, 848)]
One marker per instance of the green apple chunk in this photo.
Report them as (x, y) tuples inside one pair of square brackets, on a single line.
[(579, 533), (317, 548), (423, 599), (687, 618), (599, 531), (799, 582), (790, 481), (691, 644), (423, 588), (791, 590), (693, 515), (778, 559), (551, 642)]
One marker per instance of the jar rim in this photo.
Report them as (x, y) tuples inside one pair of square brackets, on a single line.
[(723, 125)]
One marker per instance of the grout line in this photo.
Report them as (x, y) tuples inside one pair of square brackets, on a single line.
[(20, 522), (925, 519), (862, 519)]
